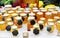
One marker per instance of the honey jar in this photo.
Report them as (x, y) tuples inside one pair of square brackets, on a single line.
[(18, 21), (24, 17), (31, 22)]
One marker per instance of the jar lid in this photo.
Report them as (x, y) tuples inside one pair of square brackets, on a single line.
[(25, 34), (36, 26), (14, 27), (30, 18), (35, 10), (6, 14), (19, 11), (9, 19), (8, 6), (48, 13), (51, 23), (18, 18), (14, 14), (39, 13), (14, 8), (54, 12), (42, 18), (23, 14), (56, 17), (10, 23), (31, 14), (40, 22), (50, 19), (2, 22), (10, 11)]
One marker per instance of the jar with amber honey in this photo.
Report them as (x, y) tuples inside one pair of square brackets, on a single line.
[(24, 17), (31, 22), (18, 21)]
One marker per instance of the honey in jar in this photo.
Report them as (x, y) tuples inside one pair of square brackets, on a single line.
[(58, 27), (24, 17), (48, 15), (18, 21), (50, 27), (31, 22), (39, 15), (41, 24), (2, 25), (36, 29)]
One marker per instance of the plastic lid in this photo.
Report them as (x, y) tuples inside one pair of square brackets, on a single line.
[(23, 14), (14, 27), (56, 17), (27, 8), (2, 22), (51, 23), (26, 11), (48, 13), (35, 10), (10, 23), (6, 15), (50, 19), (14, 14), (18, 18), (31, 14), (40, 22), (19, 11), (43, 10), (21, 8), (30, 18), (8, 5), (42, 18), (36, 26), (14, 8), (54, 12), (10, 11), (39, 13), (9, 19)]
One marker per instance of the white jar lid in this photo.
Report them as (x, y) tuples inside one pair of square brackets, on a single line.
[(30, 18), (21, 8), (51, 23), (2, 22), (56, 17), (31, 14), (6, 15), (10, 11), (42, 18), (8, 6), (14, 27), (43, 10), (27, 8), (35, 10), (14, 8), (48, 13), (9, 19), (36, 26), (23, 14), (27, 11), (10, 23), (25, 34), (39, 13), (17, 6), (18, 18), (19, 11), (50, 19), (54, 12), (58, 21), (14, 14), (40, 22)]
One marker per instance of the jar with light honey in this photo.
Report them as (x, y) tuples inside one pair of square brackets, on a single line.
[(36, 29), (18, 21), (50, 27), (58, 26), (24, 17), (31, 22), (41, 24), (2, 25), (39, 15), (43, 19)]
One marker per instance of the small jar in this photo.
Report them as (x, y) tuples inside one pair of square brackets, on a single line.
[(36, 29), (31, 22), (50, 27), (18, 21), (41, 24), (24, 17), (39, 15), (2, 25)]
